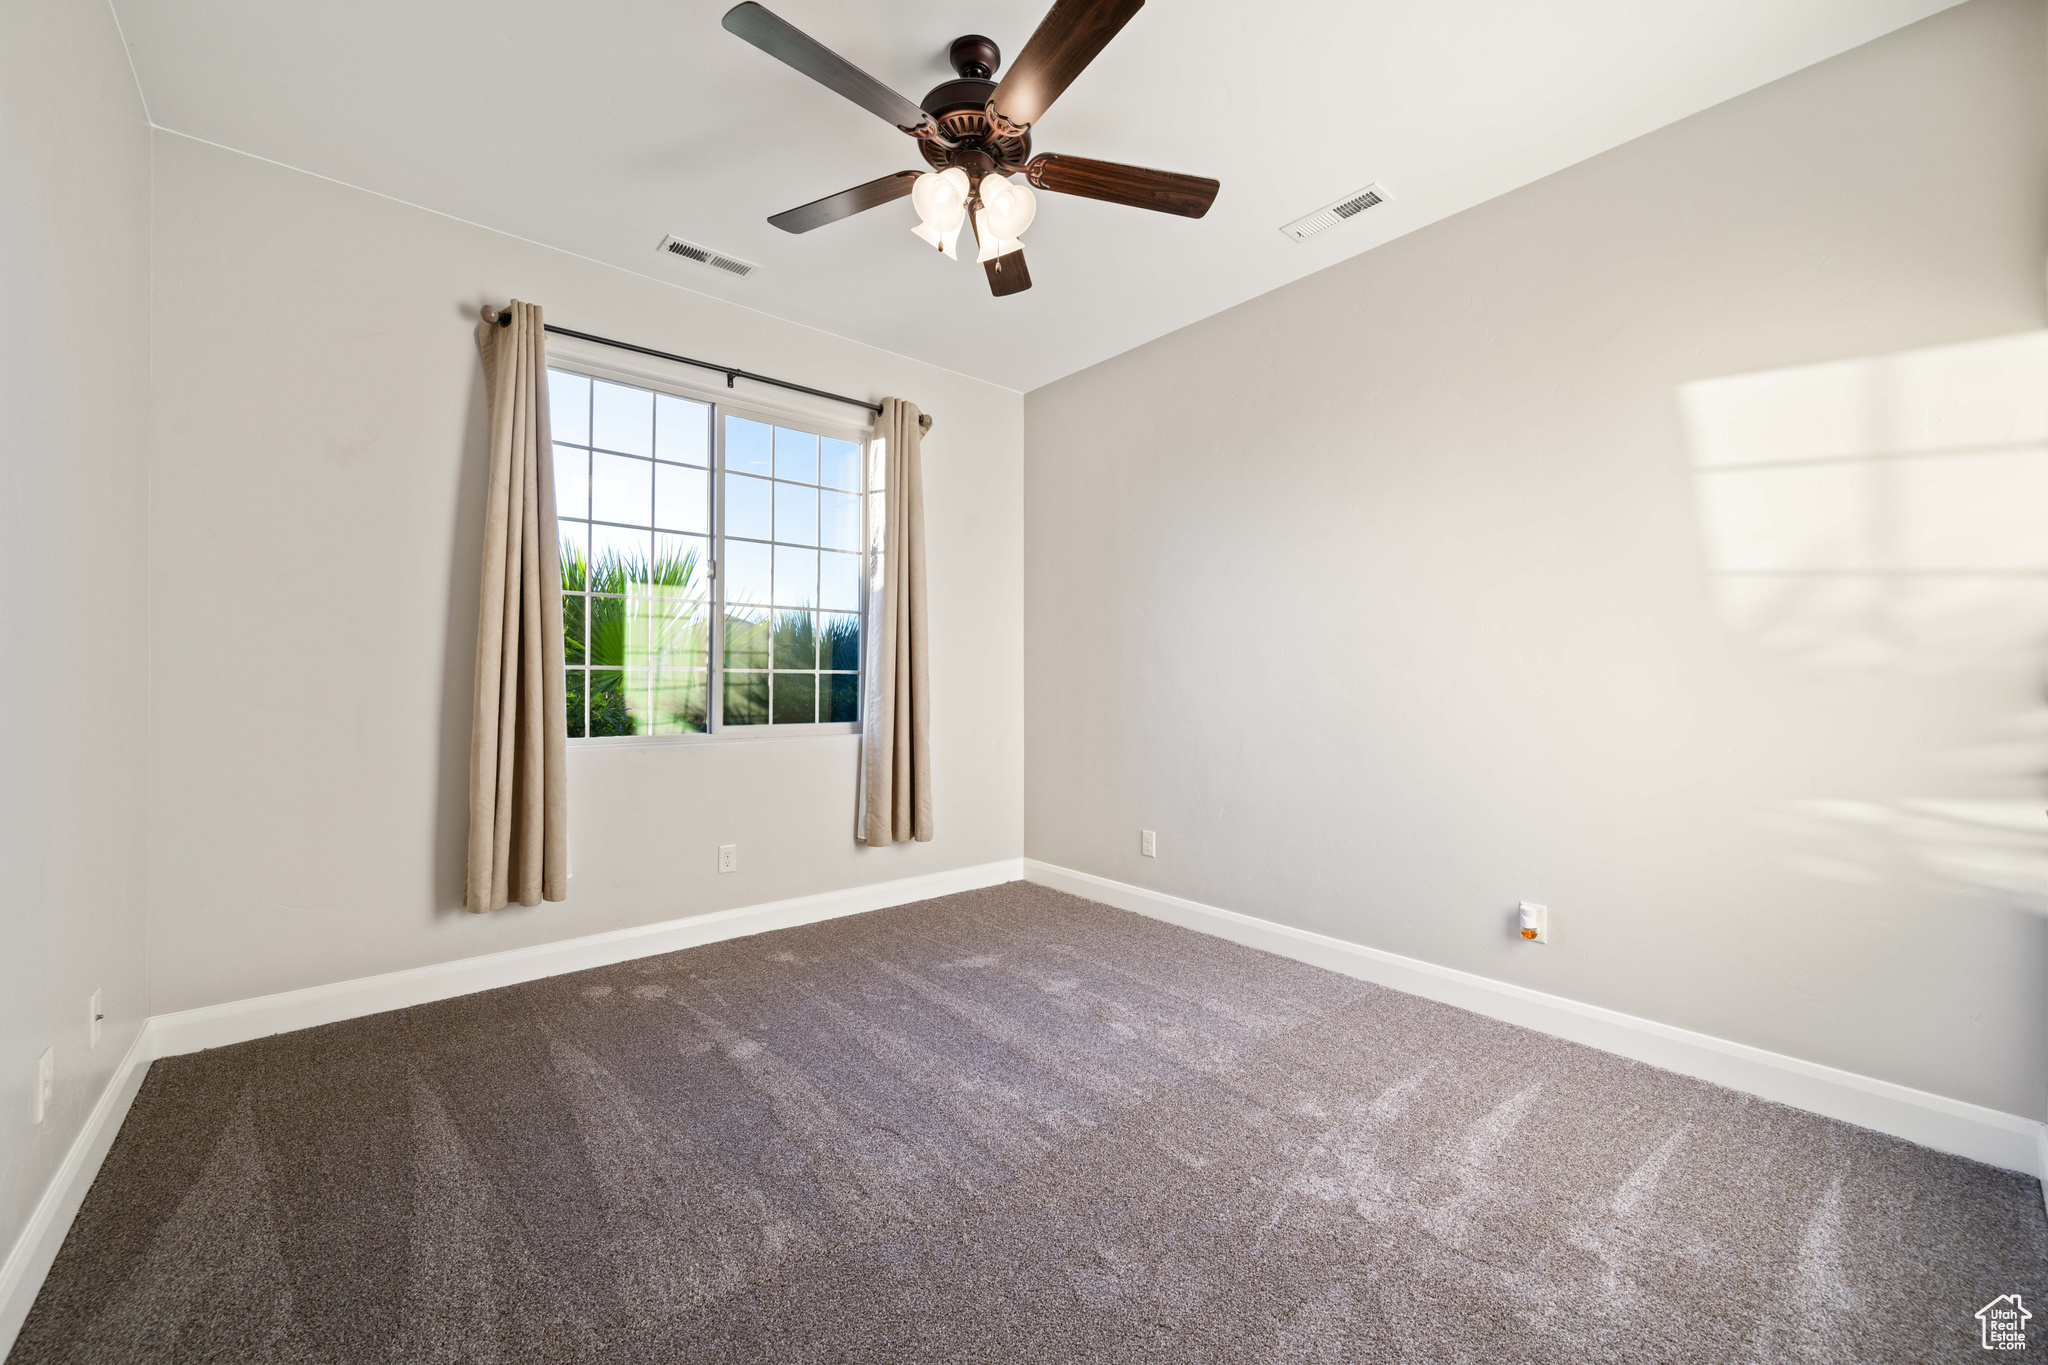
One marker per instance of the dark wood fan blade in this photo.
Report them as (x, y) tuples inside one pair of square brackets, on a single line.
[(1061, 47), (1140, 187), (1007, 275), (846, 203), (786, 43)]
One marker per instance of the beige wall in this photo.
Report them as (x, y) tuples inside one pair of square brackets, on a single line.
[(74, 380), (1418, 588), (316, 492)]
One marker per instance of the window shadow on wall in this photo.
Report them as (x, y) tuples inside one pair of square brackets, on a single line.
[(1890, 516)]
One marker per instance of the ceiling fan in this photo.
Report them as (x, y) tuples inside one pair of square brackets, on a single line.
[(975, 133)]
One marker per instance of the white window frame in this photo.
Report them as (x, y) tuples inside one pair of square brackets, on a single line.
[(824, 419)]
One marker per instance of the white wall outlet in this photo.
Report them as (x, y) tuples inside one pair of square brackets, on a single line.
[(1534, 922), (728, 857), (94, 1017), (46, 1082), (1148, 843)]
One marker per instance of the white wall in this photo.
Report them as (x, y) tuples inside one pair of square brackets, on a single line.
[(74, 380), (1406, 592), (316, 491)]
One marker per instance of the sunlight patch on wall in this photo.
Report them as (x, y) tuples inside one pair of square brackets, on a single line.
[(1890, 511), (1890, 515)]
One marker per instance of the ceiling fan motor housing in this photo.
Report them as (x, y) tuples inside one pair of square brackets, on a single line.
[(960, 108), (974, 55)]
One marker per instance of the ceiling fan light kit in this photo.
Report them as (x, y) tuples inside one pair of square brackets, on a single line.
[(975, 134)]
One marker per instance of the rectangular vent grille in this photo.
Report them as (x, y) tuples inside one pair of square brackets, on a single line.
[(1301, 229), (704, 255)]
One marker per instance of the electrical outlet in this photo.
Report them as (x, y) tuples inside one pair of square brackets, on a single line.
[(728, 857), (94, 1015), (46, 1082), (1533, 922), (1148, 844)]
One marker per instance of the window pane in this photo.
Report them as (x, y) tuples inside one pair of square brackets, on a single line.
[(578, 681), (679, 661), (575, 554), (746, 574), (572, 481), (679, 566), (796, 577), (796, 698), (796, 640), (682, 430), (621, 419), (621, 489), (569, 407), (678, 634), (839, 696), (839, 642), (839, 521), (746, 446), (838, 581), (618, 559), (746, 639), (572, 628), (796, 455), (746, 698), (796, 514), (747, 504), (841, 465), (679, 700), (638, 709), (605, 620), (608, 713), (682, 499)]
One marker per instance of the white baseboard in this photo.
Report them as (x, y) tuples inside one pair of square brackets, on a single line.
[(167, 1035), (21, 1275), (240, 1020), (1948, 1125), (1988, 1135)]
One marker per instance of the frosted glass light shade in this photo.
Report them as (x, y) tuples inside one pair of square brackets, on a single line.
[(947, 241), (1010, 207), (940, 198), (992, 245)]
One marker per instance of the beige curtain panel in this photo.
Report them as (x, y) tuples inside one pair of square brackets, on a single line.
[(519, 740), (896, 761)]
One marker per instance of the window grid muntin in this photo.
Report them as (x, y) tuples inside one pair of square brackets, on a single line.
[(819, 681), (856, 448), (643, 669)]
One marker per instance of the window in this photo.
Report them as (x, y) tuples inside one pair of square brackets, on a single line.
[(712, 563)]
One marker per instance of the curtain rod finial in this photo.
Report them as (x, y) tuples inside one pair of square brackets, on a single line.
[(501, 316)]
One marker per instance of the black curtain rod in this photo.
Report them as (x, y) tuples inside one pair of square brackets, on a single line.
[(503, 317)]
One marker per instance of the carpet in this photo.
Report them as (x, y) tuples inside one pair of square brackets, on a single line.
[(1003, 1126)]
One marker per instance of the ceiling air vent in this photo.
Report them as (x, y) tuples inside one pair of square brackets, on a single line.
[(704, 255), (1301, 229)]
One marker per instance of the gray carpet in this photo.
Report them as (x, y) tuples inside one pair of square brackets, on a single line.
[(1002, 1126)]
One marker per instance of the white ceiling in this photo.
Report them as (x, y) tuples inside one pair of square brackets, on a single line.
[(599, 127)]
